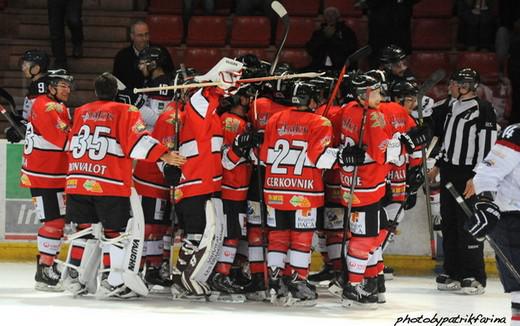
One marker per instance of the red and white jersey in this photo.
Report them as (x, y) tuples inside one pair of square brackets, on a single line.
[(148, 178), (370, 183), (237, 170), (156, 102), (105, 137), (201, 141), (398, 121), (44, 163), (332, 177), (295, 150), (261, 110)]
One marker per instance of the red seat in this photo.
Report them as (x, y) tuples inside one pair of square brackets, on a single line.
[(360, 28), (176, 54), (423, 64), (222, 8), (298, 58), (250, 31), (207, 31), (165, 29), (202, 59), (301, 7), (345, 7), (259, 52), (299, 33), (433, 8), (165, 7), (432, 34), (484, 62)]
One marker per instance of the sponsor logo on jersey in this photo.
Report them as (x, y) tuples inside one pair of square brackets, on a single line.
[(72, 184), (97, 116), (300, 201), (275, 199), (346, 198), (286, 129), (325, 122), (24, 179), (92, 186)]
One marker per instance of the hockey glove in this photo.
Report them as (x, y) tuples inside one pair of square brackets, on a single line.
[(417, 136), (484, 218), (172, 174), (414, 179), (12, 135), (351, 156), (411, 200), (243, 144), (392, 226)]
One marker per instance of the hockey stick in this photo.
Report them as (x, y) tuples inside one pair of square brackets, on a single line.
[(436, 77), (467, 210), (354, 57), (346, 218), (242, 81), (11, 121), (282, 13)]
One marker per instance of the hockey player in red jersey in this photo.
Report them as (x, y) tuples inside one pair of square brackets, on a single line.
[(105, 138), (197, 195), (44, 168), (235, 184), (295, 150), (362, 119)]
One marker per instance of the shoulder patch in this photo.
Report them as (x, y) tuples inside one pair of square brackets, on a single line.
[(231, 124), (377, 120)]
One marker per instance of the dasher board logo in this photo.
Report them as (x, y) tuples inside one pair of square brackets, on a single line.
[(21, 220)]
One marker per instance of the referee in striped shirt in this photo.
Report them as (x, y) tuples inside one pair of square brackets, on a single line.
[(467, 127)]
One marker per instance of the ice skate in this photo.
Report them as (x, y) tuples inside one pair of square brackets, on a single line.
[(300, 292), (471, 286), (446, 283), (277, 288), (323, 277), (224, 290), (359, 295), (47, 278), (255, 290)]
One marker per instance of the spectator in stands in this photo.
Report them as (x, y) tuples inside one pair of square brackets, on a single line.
[(257, 7), (389, 22), (189, 7), (127, 59), (332, 43), (514, 72), (477, 24), (59, 13)]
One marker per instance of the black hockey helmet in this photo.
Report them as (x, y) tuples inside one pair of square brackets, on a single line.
[(55, 76), (36, 57), (392, 54), (402, 89), (466, 76), (302, 94), (253, 67), (361, 83), (153, 56)]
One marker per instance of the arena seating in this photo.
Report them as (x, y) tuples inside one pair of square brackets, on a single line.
[(165, 29), (207, 31)]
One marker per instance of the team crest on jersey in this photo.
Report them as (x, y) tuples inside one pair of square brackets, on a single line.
[(138, 127), (24, 179), (132, 108), (325, 122), (53, 106), (92, 186), (300, 201), (231, 124), (61, 125), (377, 120), (398, 123), (286, 129), (275, 199), (178, 195), (349, 126)]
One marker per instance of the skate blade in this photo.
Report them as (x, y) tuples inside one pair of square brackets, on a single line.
[(158, 289), (389, 277), (299, 303), (40, 286), (336, 290), (381, 298), (256, 296), (183, 297), (443, 287), (226, 298), (347, 303), (320, 284)]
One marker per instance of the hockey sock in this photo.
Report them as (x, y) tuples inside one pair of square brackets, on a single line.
[(242, 252), (227, 256), (49, 240), (380, 263), (371, 269), (321, 246), (154, 245), (515, 308), (167, 243), (287, 270), (334, 239), (256, 249), (299, 258), (357, 257), (278, 245)]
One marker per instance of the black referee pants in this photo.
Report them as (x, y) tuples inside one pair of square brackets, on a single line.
[(463, 255)]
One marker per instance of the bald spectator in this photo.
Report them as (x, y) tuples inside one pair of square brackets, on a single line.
[(332, 43), (127, 59)]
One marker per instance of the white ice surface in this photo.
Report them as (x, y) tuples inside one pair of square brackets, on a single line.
[(20, 304)]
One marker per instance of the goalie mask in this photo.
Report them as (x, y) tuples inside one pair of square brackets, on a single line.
[(31, 59)]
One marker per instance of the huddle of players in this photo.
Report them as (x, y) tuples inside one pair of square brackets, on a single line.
[(308, 155)]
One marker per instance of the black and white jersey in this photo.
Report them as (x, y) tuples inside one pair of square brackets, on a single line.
[(469, 131), (36, 88), (155, 102)]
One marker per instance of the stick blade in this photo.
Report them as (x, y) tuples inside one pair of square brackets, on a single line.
[(360, 53), (434, 79), (279, 9)]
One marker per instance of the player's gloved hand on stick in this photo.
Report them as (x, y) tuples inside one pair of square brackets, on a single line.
[(12, 135), (411, 200), (414, 178), (243, 144), (351, 156), (417, 136), (172, 174), (484, 218)]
